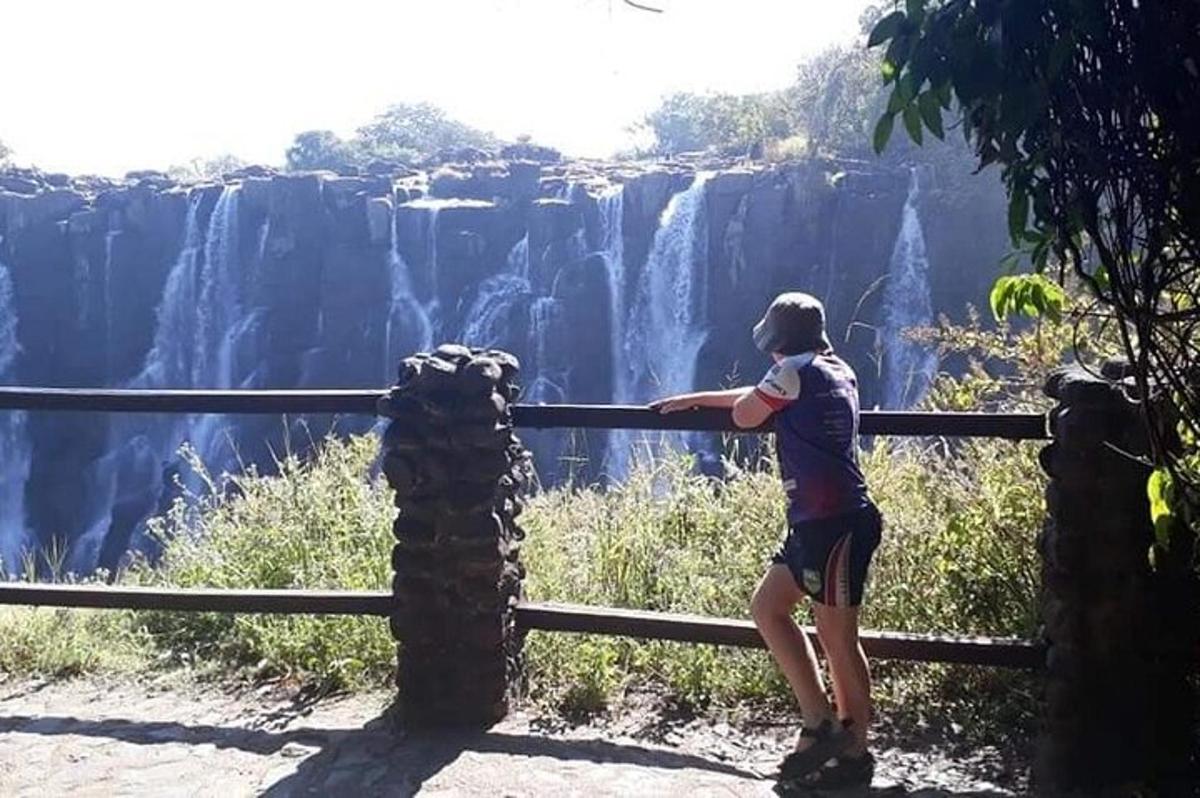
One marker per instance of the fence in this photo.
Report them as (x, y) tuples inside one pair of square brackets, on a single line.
[(1002, 652), (456, 601)]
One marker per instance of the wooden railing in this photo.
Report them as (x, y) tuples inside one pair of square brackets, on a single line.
[(998, 652)]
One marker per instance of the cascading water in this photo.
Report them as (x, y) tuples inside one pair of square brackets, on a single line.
[(488, 319), (517, 261), (409, 327), (661, 338), (205, 334), (15, 447), (225, 329), (666, 329), (544, 323), (612, 212), (908, 366)]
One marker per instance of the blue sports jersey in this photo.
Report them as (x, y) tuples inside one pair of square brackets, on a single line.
[(815, 399)]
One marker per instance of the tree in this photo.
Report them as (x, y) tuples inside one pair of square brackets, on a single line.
[(405, 133), (320, 149), (206, 168), (409, 132), (835, 100), (1091, 110), (727, 123), (5, 153)]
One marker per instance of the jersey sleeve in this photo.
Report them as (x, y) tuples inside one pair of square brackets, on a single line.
[(780, 387)]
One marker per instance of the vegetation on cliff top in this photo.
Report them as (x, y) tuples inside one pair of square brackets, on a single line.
[(404, 133)]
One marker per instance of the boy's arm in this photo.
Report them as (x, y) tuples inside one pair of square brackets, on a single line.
[(686, 401), (749, 408)]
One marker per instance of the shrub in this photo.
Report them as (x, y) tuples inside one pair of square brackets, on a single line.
[(316, 525)]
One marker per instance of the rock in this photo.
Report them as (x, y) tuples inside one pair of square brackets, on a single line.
[(525, 151), (19, 185), (379, 220), (253, 170)]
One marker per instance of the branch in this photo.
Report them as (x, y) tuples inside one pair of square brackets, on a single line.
[(641, 7)]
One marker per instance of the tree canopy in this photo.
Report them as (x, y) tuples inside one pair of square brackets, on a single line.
[(1092, 113), (727, 123), (404, 133)]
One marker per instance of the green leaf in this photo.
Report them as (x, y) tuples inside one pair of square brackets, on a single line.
[(1000, 296), (887, 70), (931, 113), (1018, 213), (883, 132), (916, 10), (1160, 490), (896, 102), (906, 87), (886, 28), (1031, 295), (912, 123), (944, 93), (1053, 298)]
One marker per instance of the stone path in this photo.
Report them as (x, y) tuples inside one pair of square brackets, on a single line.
[(96, 738)]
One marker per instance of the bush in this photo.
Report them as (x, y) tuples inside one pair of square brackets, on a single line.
[(60, 643), (316, 525)]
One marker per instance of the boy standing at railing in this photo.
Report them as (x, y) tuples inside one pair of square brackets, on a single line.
[(833, 529)]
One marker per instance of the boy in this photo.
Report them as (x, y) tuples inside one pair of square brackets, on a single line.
[(833, 530)]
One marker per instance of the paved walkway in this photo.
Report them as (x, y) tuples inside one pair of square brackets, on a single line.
[(89, 738)]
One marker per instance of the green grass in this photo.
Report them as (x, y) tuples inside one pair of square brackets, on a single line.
[(958, 556)]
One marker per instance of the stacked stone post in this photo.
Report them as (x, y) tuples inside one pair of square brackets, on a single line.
[(1118, 711), (458, 472)]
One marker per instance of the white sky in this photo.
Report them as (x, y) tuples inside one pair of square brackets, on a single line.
[(105, 86)]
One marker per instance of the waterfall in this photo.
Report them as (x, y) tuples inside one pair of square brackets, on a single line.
[(408, 327), (517, 261), (658, 332), (14, 443), (908, 366), (612, 211), (226, 330), (666, 330), (545, 313), (169, 362), (205, 336), (488, 319)]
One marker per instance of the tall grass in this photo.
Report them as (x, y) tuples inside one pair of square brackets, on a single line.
[(320, 524)]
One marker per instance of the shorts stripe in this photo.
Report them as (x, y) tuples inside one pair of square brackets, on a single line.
[(835, 571), (843, 583)]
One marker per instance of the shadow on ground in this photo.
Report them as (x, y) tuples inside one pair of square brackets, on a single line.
[(379, 758)]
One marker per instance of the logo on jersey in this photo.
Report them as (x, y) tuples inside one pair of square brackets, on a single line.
[(812, 581)]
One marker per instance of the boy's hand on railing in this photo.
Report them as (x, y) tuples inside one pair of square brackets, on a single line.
[(674, 404)]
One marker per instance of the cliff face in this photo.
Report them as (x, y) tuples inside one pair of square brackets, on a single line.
[(611, 282)]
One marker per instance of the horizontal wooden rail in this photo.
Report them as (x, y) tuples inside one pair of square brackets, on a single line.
[(362, 402), (281, 602), (136, 401), (997, 652), (873, 422), (1001, 652)]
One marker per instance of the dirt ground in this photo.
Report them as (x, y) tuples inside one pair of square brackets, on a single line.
[(123, 738)]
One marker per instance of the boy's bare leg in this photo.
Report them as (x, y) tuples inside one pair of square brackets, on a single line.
[(774, 600), (837, 627)]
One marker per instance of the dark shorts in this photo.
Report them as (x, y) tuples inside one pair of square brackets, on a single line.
[(829, 557)]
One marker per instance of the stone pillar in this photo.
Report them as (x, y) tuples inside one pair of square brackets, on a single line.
[(458, 472), (1118, 710)]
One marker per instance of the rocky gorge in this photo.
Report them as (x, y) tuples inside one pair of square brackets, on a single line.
[(612, 282)]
